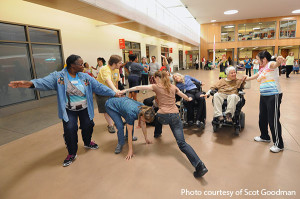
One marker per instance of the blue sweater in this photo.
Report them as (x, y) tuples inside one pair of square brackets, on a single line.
[(58, 81), (188, 84)]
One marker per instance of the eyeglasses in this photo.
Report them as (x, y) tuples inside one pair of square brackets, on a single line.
[(78, 64)]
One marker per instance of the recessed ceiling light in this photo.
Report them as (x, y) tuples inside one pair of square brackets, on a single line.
[(213, 20), (230, 26), (224, 33), (225, 49), (256, 28), (296, 11), (259, 23), (230, 12)]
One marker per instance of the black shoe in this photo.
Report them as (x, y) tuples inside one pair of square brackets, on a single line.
[(200, 124), (157, 136), (69, 160), (190, 123), (92, 145), (229, 118), (201, 170)]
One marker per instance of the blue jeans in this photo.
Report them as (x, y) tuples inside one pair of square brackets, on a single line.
[(117, 118), (71, 129), (175, 124)]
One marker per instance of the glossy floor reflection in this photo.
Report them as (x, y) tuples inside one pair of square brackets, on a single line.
[(31, 167)]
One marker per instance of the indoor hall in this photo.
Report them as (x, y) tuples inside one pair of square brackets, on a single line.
[(37, 36), (31, 167)]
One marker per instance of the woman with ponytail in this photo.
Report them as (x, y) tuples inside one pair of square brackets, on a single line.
[(168, 114), (130, 110)]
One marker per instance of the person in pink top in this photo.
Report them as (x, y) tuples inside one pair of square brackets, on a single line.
[(168, 114)]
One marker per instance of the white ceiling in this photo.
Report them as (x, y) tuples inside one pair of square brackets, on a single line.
[(206, 10)]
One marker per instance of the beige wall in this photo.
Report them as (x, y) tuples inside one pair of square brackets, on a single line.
[(83, 36)]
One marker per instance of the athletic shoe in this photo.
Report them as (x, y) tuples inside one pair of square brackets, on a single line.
[(92, 145), (275, 149), (259, 139), (69, 160), (201, 170), (111, 129), (118, 149)]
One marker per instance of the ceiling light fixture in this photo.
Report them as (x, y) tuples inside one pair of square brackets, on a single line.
[(213, 20), (230, 26), (256, 28), (231, 12), (296, 11)]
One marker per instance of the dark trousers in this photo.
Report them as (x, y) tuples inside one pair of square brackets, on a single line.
[(158, 127), (71, 129), (191, 106), (173, 120), (144, 79), (289, 69), (269, 113), (248, 70)]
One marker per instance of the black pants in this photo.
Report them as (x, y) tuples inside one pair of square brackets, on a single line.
[(191, 106), (248, 70), (71, 129), (269, 113), (144, 79), (289, 69)]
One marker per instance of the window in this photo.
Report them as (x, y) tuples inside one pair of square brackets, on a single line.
[(256, 31), (227, 33), (288, 29), (16, 64), (131, 48)]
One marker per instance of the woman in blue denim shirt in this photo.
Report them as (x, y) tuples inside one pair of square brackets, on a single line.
[(168, 114), (75, 99), (130, 110)]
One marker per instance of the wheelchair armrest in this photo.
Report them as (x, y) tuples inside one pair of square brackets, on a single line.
[(241, 92)]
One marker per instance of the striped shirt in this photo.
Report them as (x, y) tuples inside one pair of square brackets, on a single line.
[(269, 81)]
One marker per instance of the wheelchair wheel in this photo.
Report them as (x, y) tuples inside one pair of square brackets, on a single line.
[(242, 119)]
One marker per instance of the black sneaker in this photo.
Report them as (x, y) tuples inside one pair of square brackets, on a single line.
[(69, 160), (92, 145), (201, 170)]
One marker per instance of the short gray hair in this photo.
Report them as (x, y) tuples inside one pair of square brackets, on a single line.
[(228, 69)]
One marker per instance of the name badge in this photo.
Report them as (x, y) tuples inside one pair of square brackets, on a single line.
[(74, 82)]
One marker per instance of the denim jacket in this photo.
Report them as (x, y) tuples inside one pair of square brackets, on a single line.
[(58, 81)]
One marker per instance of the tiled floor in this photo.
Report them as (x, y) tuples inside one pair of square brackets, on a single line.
[(31, 167)]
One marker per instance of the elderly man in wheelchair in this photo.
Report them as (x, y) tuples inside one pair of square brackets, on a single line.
[(192, 112), (228, 101)]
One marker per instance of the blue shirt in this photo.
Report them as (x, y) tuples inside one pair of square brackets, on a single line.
[(247, 63), (145, 66), (58, 81), (76, 82), (126, 107), (188, 83)]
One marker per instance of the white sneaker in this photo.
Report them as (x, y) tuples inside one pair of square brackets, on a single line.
[(258, 139), (275, 149)]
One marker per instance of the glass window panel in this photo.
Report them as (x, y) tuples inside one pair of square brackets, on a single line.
[(227, 33), (14, 65), (47, 59), (292, 28), (288, 29), (135, 45), (241, 31), (43, 35), (127, 45), (12, 32)]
